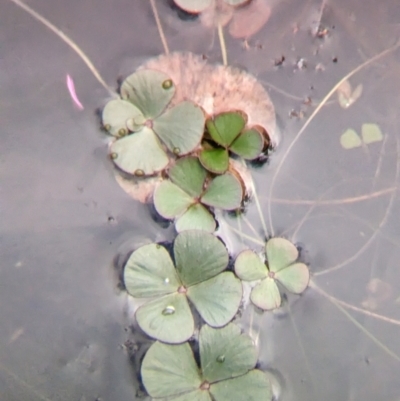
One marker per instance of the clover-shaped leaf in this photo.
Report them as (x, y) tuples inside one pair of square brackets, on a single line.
[(227, 373), (200, 260), (145, 127), (280, 266), (227, 131), (188, 192)]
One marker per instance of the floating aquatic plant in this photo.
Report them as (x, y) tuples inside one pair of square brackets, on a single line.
[(227, 361), (200, 259), (188, 192), (280, 266), (228, 131), (144, 125)]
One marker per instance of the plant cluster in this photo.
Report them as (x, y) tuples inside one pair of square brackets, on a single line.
[(194, 289)]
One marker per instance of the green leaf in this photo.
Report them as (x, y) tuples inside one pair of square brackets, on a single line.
[(116, 114), (253, 386), (149, 272), (225, 127), (196, 395), (197, 217), (139, 153), (249, 144), (350, 139), (294, 277), (225, 353), (371, 133), (266, 295), (215, 160), (224, 192), (181, 128), (217, 299), (189, 175), (236, 2), (169, 370), (199, 256), (170, 201), (280, 253), (193, 6), (249, 267), (149, 90), (168, 319)]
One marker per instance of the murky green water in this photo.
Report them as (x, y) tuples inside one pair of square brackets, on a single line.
[(66, 226)]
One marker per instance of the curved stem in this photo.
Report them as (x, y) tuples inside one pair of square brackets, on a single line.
[(159, 27), (222, 44), (67, 40)]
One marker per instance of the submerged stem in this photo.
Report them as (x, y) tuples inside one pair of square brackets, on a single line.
[(222, 44), (159, 26), (67, 40)]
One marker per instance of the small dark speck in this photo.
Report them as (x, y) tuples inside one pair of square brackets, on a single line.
[(366, 360), (279, 62), (335, 59), (111, 219)]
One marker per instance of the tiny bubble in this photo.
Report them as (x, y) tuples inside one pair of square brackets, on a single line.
[(167, 84), (169, 310), (114, 155), (221, 358), (139, 173), (176, 151), (166, 280), (122, 132), (107, 127)]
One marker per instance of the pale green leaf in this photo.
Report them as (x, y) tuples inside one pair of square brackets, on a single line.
[(280, 253), (139, 153), (217, 299), (236, 2), (170, 201), (225, 127), (224, 192), (249, 144), (294, 277), (181, 128), (215, 160), (350, 139), (266, 295), (199, 256), (225, 353), (195, 395), (116, 114), (169, 370), (253, 386), (149, 272), (371, 133), (168, 319), (189, 175), (249, 267), (197, 217), (149, 90), (193, 6)]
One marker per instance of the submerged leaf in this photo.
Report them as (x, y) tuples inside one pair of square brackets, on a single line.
[(266, 295), (253, 386), (215, 160), (189, 175), (170, 201), (224, 191), (139, 153), (294, 277), (371, 133), (217, 299), (280, 253), (199, 256), (197, 217), (350, 139), (161, 317), (225, 353), (249, 267), (116, 115), (149, 90), (149, 272), (169, 370), (181, 128)]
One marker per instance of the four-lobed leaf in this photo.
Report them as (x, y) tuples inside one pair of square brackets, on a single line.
[(189, 189), (227, 369), (200, 260), (280, 266), (228, 131), (145, 127)]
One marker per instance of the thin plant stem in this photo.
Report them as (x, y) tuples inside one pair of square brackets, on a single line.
[(311, 118), (67, 40), (159, 27), (251, 227), (222, 44), (248, 237), (260, 213)]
